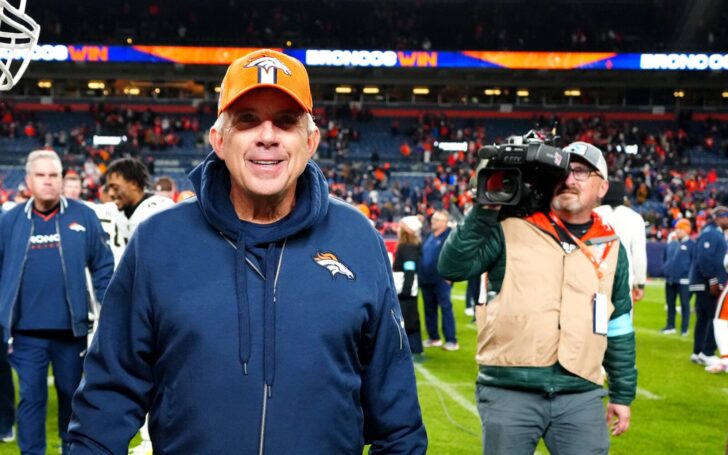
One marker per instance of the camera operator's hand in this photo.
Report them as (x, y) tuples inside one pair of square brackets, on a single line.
[(637, 294), (715, 289)]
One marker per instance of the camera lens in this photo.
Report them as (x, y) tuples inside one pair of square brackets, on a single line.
[(501, 187)]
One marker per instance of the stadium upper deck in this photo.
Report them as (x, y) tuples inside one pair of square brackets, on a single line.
[(615, 25)]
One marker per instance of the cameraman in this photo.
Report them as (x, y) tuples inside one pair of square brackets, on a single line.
[(560, 311)]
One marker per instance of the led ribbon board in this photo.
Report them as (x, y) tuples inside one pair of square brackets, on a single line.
[(564, 61)]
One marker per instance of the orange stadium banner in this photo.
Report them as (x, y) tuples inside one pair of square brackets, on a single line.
[(197, 55), (540, 60)]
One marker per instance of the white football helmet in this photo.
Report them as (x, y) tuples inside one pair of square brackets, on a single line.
[(18, 36)]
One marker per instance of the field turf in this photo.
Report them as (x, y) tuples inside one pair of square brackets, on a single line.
[(680, 409)]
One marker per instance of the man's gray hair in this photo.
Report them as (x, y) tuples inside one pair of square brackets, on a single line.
[(42, 154), (223, 120)]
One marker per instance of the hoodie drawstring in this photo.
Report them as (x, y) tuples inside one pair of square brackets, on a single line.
[(243, 308), (269, 317)]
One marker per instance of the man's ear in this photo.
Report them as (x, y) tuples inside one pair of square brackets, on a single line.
[(313, 142), (603, 187), (217, 142)]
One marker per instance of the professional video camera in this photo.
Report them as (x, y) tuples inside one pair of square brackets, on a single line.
[(521, 174)]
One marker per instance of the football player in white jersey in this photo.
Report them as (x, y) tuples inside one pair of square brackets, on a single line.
[(127, 180), (107, 212)]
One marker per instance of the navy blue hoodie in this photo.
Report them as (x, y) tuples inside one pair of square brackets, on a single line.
[(244, 339), (707, 268), (677, 261)]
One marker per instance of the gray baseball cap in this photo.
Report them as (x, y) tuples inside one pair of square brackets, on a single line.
[(589, 153)]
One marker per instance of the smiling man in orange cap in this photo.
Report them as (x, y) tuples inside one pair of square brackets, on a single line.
[(246, 320)]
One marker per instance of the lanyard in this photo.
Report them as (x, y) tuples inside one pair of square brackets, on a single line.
[(584, 248)]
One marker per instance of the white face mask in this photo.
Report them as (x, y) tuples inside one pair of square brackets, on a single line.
[(18, 37)]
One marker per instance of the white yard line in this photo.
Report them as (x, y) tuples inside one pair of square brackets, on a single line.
[(656, 333), (457, 296), (449, 390), (647, 394), (460, 385)]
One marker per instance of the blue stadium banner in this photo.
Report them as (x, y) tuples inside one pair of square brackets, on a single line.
[(191, 55)]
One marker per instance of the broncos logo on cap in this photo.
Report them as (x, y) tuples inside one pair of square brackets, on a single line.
[(331, 263), (267, 69)]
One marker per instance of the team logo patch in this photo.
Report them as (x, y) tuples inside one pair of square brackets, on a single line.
[(267, 69), (76, 227), (331, 263), (579, 149)]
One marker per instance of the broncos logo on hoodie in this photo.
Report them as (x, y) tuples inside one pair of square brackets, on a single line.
[(333, 265)]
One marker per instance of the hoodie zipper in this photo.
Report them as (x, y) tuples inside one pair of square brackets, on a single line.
[(65, 275), (267, 389), (399, 330), (17, 289), (262, 419)]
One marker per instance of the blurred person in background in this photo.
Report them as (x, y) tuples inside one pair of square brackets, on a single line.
[(435, 289), (676, 265), (21, 196), (720, 328), (46, 245), (72, 186), (127, 180), (165, 186), (406, 261), (630, 227), (707, 279)]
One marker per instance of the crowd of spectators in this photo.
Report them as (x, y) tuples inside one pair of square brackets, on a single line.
[(654, 161), (386, 24), (145, 129), (655, 164)]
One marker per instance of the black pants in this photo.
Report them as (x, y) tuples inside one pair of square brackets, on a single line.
[(7, 390), (672, 291), (411, 316), (704, 341)]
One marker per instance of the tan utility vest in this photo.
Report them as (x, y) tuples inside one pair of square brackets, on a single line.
[(545, 309)]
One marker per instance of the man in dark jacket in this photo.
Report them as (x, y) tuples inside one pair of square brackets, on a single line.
[(678, 260), (46, 245), (707, 278), (246, 320), (559, 311), (435, 289)]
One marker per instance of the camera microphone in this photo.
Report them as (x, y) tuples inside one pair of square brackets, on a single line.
[(487, 152)]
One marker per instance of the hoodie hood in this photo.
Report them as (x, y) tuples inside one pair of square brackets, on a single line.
[(211, 181), (212, 184)]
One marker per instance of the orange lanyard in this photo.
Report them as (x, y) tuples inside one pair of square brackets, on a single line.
[(584, 248)]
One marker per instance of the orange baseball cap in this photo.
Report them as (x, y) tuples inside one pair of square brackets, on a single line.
[(683, 224), (265, 68)]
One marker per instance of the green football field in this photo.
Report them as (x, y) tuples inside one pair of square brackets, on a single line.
[(680, 409)]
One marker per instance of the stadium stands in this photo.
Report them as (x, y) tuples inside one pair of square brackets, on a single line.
[(409, 24), (664, 158)]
